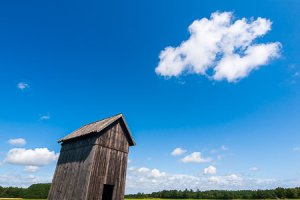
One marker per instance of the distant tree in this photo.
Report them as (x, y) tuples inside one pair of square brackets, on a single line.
[(38, 191)]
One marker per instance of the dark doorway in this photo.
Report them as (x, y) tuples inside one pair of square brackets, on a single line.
[(107, 192)]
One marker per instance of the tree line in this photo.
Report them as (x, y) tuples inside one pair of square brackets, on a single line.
[(35, 191), (40, 191), (278, 193)]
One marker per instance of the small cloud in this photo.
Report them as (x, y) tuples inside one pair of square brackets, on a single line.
[(31, 169), (195, 157), (17, 142), (178, 152), (143, 169), (31, 157), (220, 48), (253, 168), (214, 151), (45, 117), (224, 148), (292, 66), (149, 159), (23, 86), (210, 170), (296, 149)]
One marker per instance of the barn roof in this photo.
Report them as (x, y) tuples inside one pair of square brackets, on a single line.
[(97, 127)]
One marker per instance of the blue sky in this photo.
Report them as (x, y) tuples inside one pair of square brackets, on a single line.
[(67, 63)]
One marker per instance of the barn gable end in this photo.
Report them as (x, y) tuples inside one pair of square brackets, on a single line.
[(89, 161)]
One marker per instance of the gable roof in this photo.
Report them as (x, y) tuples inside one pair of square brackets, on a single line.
[(97, 127)]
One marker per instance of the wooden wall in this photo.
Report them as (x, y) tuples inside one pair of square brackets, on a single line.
[(85, 165)]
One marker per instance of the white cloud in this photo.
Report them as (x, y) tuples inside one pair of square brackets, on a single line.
[(178, 152), (23, 85), (143, 169), (31, 169), (253, 168), (45, 117), (224, 148), (30, 157), (210, 170), (150, 180), (195, 157), (226, 180), (17, 141), (220, 48), (18, 180), (156, 173)]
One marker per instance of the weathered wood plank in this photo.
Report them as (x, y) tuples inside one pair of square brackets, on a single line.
[(86, 164)]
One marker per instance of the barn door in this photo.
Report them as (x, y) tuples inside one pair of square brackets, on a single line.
[(107, 192)]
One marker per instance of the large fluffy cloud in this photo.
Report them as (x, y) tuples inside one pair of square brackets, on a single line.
[(220, 48), (30, 157)]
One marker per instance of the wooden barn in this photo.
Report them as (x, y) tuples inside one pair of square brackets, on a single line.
[(93, 161)]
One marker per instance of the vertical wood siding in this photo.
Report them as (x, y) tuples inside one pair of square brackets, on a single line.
[(85, 165)]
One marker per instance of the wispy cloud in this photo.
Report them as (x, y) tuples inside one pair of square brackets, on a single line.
[(31, 169), (17, 141), (253, 168), (45, 117), (23, 86), (296, 149), (220, 48), (217, 150)]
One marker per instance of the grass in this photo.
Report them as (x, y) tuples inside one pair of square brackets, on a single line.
[(46, 199), (125, 199)]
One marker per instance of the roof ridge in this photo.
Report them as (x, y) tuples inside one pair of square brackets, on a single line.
[(98, 126), (102, 119)]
